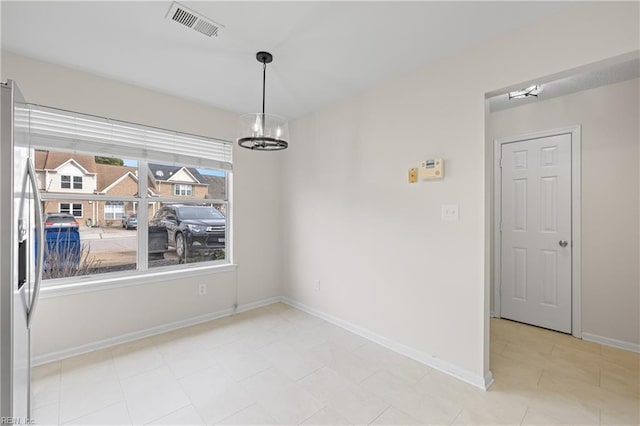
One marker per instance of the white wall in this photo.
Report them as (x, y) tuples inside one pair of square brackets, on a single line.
[(70, 321), (386, 261), (610, 184)]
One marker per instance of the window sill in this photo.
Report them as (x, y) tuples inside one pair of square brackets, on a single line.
[(90, 284)]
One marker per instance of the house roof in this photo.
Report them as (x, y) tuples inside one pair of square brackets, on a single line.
[(108, 173), (217, 187), (164, 172), (51, 160)]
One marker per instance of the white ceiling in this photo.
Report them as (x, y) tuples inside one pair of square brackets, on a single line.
[(323, 51)]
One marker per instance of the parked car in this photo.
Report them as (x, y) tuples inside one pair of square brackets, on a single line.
[(192, 228), (60, 220), (130, 221)]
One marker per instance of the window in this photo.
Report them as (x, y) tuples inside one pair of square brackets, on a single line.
[(71, 208), (196, 226), (181, 204), (65, 182), (182, 190), (113, 210)]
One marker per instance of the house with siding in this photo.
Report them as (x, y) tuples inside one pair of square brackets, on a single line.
[(63, 173)]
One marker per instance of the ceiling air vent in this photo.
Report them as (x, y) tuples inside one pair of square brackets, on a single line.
[(193, 20)]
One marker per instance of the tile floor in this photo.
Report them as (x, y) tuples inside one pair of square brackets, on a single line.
[(277, 365)]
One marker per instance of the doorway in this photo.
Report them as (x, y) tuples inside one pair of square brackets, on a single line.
[(537, 233)]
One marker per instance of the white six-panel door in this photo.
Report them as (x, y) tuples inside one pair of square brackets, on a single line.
[(536, 232)]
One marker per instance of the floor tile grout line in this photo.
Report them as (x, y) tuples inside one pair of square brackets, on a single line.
[(316, 412), (456, 417), (307, 375), (221, 421), (524, 415), (95, 411), (126, 404), (381, 413), (168, 414), (59, 392)]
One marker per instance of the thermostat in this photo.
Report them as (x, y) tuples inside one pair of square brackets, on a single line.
[(432, 169)]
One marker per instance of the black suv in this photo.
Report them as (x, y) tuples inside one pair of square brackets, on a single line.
[(192, 228)]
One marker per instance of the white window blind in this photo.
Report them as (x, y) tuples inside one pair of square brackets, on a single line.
[(52, 128)]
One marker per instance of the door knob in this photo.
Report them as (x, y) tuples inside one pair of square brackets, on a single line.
[(563, 243)]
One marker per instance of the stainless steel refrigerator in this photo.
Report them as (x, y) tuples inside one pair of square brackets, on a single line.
[(21, 255)]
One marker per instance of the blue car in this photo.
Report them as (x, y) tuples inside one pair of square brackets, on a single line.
[(62, 250)]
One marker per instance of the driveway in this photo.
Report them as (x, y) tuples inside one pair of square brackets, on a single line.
[(113, 245)]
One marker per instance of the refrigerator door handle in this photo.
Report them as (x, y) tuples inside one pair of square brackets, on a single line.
[(39, 238)]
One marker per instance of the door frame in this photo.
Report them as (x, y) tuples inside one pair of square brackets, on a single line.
[(576, 230)]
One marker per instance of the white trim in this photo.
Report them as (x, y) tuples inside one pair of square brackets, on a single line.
[(72, 160), (169, 179), (429, 360), (181, 186), (136, 335), (92, 283), (615, 343), (576, 230), (71, 209)]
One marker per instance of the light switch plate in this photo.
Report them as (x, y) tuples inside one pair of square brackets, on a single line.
[(450, 212)]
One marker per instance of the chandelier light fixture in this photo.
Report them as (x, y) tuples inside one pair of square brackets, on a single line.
[(260, 131)]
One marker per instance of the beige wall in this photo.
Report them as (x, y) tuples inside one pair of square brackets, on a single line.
[(386, 261), (610, 185), (343, 212), (68, 321)]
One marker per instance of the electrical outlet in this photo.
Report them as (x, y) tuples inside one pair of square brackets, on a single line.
[(450, 212), (202, 289), (317, 285)]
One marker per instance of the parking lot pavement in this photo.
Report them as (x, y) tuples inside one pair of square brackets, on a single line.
[(99, 233)]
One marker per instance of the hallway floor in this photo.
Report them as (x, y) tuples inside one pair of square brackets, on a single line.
[(278, 365)]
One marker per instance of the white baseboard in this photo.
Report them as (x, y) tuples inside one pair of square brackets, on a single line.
[(620, 344), (136, 335), (429, 360)]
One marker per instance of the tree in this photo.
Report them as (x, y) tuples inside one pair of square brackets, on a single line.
[(109, 160)]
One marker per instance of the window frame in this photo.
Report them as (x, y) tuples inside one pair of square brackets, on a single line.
[(54, 129), (113, 203), (74, 183), (63, 184), (143, 199), (187, 188), (71, 208)]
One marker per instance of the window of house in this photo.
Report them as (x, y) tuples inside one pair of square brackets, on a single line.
[(65, 182), (175, 217), (182, 190), (113, 210), (74, 209), (77, 182)]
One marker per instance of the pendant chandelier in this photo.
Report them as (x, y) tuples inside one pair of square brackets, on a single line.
[(260, 131)]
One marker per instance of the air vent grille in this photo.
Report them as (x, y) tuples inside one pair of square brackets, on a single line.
[(193, 20)]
